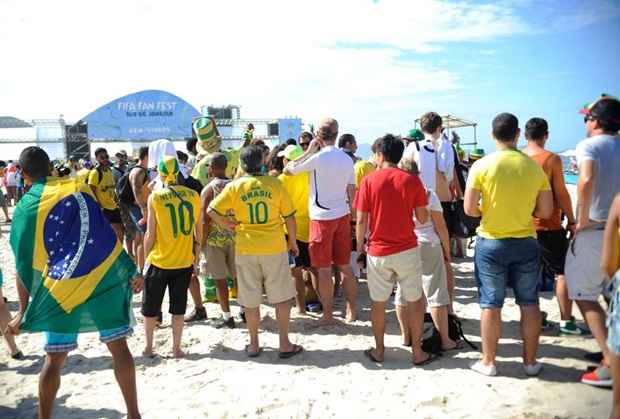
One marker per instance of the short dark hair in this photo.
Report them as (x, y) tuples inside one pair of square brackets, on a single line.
[(505, 127), (346, 139), (190, 145), (536, 129), (251, 159), (430, 121), (182, 157), (607, 112), (35, 162), (218, 161), (100, 150), (143, 152), (291, 141), (390, 147)]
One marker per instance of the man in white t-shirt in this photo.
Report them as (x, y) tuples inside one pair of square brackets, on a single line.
[(332, 190)]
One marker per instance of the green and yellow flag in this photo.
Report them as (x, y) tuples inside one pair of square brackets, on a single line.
[(69, 260)]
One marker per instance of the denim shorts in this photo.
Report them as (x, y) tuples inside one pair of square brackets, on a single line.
[(613, 316), (66, 342), (135, 213), (506, 263)]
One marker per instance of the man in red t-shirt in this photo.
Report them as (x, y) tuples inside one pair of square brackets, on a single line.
[(386, 201)]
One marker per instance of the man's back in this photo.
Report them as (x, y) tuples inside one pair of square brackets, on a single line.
[(177, 210), (299, 190), (604, 150), (509, 183), (390, 197), (331, 171), (551, 164)]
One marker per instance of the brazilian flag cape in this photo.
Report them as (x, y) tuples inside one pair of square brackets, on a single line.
[(68, 258)]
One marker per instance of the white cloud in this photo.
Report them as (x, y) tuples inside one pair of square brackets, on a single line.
[(273, 58)]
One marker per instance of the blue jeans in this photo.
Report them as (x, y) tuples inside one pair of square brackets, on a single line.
[(505, 263)]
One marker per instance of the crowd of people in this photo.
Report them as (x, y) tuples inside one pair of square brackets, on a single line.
[(298, 223)]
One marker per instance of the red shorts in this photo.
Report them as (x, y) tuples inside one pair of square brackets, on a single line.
[(330, 242)]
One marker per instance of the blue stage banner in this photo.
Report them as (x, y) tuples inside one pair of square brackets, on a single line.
[(289, 128), (146, 115)]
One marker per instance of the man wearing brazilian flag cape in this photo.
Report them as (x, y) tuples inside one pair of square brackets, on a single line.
[(73, 276)]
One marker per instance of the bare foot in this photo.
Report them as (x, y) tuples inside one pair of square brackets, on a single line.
[(178, 354), (452, 346), (351, 314), (374, 354), (149, 353)]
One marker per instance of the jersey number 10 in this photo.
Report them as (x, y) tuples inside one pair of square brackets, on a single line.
[(259, 212), (181, 221)]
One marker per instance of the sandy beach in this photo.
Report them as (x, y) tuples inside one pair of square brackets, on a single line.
[(332, 378)]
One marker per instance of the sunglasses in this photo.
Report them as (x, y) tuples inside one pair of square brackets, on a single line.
[(587, 118)]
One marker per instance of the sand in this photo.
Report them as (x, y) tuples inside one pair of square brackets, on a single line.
[(332, 378)]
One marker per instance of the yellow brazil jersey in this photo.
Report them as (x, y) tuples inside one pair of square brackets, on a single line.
[(105, 193), (509, 182), (362, 169), (82, 175), (298, 188), (260, 204), (200, 171), (176, 214)]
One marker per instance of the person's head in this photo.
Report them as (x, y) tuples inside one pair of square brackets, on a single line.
[(190, 146), (347, 142), (251, 159), (183, 157), (121, 158), (431, 124), (537, 130), (217, 165), (304, 140), (168, 170), (328, 130), (602, 116), (102, 157), (291, 153), (209, 140), (275, 162), (143, 156), (35, 163), (413, 135), (476, 154), (73, 161), (506, 128), (250, 127), (388, 149), (291, 141)]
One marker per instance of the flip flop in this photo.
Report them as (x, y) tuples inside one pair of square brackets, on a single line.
[(297, 349), (427, 361), (252, 354), (368, 353), (19, 355)]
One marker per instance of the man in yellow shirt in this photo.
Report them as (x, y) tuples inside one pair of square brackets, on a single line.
[(102, 183), (506, 188), (173, 234), (209, 142), (298, 188), (362, 169), (260, 204)]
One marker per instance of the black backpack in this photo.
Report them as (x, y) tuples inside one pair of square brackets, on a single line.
[(190, 182), (431, 339), (124, 191)]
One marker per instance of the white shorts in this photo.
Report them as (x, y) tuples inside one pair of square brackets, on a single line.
[(584, 276), (404, 268), (434, 277)]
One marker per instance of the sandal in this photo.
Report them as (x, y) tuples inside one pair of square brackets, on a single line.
[(368, 353), (252, 354), (431, 358), (297, 349)]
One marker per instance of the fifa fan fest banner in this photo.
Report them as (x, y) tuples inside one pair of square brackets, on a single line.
[(145, 115)]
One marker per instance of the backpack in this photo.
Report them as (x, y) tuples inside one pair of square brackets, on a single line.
[(124, 191), (431, 339), (191, 182)]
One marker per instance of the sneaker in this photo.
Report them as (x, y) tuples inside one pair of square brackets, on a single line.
[(221, 323), (594, 357), (546, 324), (479, 367), (600, 377), (196, 315), (532, 370), (569, 327)]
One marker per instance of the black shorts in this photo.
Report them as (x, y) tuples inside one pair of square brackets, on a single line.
[(113, 216), (553, 248), (155, 283), (303, 260), (450, 216)]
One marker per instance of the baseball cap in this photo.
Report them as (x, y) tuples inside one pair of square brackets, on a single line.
[(122, 154), (291, 152), (477, 152), (596, 109), (416, 135)]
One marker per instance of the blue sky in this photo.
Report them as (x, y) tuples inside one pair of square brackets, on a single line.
[(374, 65)]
